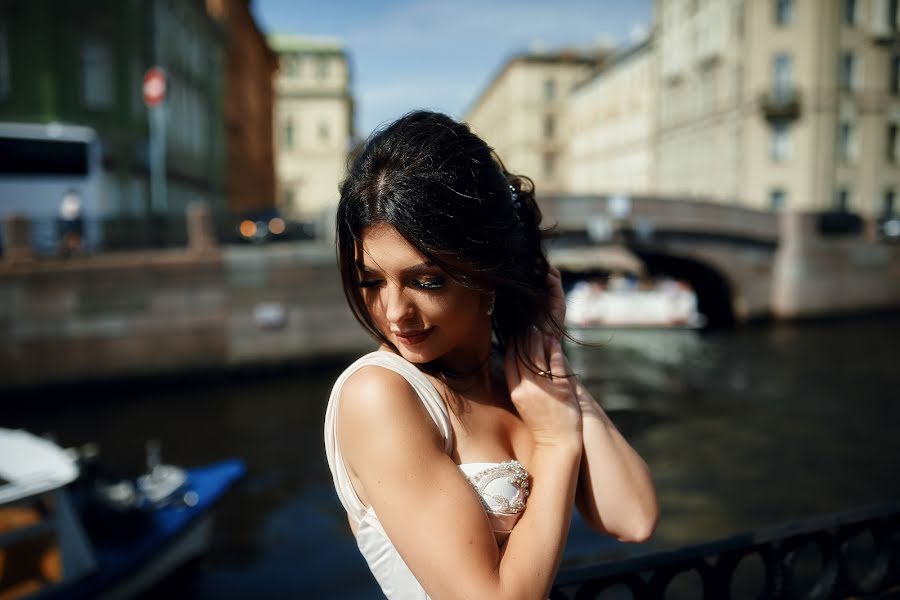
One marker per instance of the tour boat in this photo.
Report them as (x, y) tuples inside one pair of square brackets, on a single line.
[(67, 531), (623, 302)]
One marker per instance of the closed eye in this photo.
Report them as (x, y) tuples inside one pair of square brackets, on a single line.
[(433, 283)]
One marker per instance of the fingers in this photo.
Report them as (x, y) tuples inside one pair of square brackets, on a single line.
[(557, 358), (553, 275)]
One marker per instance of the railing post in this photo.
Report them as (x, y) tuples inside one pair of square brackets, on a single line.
[(200, 231), (17, 239)]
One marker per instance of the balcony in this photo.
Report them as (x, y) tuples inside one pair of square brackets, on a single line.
[(780, 104), (882, 33)]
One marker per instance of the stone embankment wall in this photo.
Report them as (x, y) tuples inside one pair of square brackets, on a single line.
[(206, 307), (818, 276), (122, 314)]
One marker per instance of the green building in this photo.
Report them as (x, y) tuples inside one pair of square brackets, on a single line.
[(83, 61)]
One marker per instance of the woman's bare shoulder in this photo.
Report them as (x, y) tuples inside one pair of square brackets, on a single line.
[(379, 406)]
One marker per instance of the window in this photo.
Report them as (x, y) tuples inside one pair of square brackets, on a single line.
[(842, 200), (848, 71), (846, 142), (287, 134), (135, 78), (888, 204), (549, 126), (549, 89), (5, 78), (291, 65), (549, 164), (287, 199), (780, 142), (892, 14), (784, 12), (322, 68), (850, 12), (738, 84), (891, 153), (782, 74), (96, 74), (777, 200), (895, 74)]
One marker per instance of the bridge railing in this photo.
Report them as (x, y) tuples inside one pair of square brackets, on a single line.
[(835, 556), (667, 214)]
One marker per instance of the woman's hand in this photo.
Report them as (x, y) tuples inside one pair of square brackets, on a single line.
[(557, 301), (547, 403)]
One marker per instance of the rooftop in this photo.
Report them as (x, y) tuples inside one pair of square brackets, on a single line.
[(307, 44)]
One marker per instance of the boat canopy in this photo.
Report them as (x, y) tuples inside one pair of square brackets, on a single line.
[(31, 465)]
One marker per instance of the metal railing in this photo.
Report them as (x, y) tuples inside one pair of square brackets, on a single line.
[(835, 556)]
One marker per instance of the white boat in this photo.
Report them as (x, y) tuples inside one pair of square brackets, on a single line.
[(49, 550), (623, 302)]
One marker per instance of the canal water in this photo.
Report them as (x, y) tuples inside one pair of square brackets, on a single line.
[(741, 429)]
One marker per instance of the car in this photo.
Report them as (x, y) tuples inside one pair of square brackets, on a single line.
[(269, 226)]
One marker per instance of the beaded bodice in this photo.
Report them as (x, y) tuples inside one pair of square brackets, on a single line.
[(503, 489)]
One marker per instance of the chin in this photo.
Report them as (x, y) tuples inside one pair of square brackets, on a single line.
[(414, 355)]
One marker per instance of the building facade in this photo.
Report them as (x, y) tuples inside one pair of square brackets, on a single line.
[(520, 113), (82, 62), (780, 103), (610, 125), (313, 125), (250, 67)]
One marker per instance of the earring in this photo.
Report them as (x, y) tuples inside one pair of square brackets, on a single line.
[(490, 310)]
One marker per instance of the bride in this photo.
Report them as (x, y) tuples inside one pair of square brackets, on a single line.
[(461, 445)]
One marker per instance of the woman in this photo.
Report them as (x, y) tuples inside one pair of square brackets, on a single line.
[(460, 447)]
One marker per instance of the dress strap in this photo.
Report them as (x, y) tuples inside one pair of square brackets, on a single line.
[(424, 389)]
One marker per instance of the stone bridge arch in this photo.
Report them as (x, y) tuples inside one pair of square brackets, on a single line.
[(715, 292), (733, 282)]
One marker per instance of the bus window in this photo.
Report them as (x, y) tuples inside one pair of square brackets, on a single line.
[(43, 157)]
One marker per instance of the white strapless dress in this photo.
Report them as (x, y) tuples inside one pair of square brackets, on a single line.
[(503, 487)]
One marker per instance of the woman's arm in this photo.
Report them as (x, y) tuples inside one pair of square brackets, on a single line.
[(615, 492), (430, 511)]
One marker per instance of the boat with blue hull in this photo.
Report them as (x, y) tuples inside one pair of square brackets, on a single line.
[(67, 533)]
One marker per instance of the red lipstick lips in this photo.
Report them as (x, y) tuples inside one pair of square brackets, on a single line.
[(412, 338)]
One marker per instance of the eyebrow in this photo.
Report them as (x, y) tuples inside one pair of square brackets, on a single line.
[(424, 266)]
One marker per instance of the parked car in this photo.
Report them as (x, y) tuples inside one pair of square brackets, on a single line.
[(270, 226)]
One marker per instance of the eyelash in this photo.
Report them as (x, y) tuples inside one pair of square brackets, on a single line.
[(429, 285)]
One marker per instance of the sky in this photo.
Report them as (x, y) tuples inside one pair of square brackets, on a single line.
[(440, 54)]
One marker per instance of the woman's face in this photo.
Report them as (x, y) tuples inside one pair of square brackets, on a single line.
[(423, 312)]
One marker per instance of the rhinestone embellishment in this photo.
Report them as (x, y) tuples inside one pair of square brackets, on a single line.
[(515, 475)]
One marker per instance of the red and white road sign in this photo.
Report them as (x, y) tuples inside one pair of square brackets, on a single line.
[(154, 86)]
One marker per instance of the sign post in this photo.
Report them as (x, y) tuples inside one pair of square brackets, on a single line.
[(154, 88)]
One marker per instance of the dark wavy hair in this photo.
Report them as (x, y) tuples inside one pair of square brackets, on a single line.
[(448, 194)]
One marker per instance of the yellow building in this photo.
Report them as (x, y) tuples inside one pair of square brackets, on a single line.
[(610, 127), (520, 113), (780, 103), (313, 124)]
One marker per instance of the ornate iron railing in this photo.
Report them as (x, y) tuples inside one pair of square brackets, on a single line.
[(835, 556)]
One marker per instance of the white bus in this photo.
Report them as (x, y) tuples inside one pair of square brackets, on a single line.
[(40, 165)]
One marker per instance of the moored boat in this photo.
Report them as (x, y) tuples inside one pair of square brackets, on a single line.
[(67, 534), (628, 302)]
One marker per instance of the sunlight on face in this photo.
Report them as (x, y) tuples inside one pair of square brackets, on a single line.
[(424, 313)]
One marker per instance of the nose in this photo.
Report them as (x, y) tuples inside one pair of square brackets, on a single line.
[(397, 307)]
